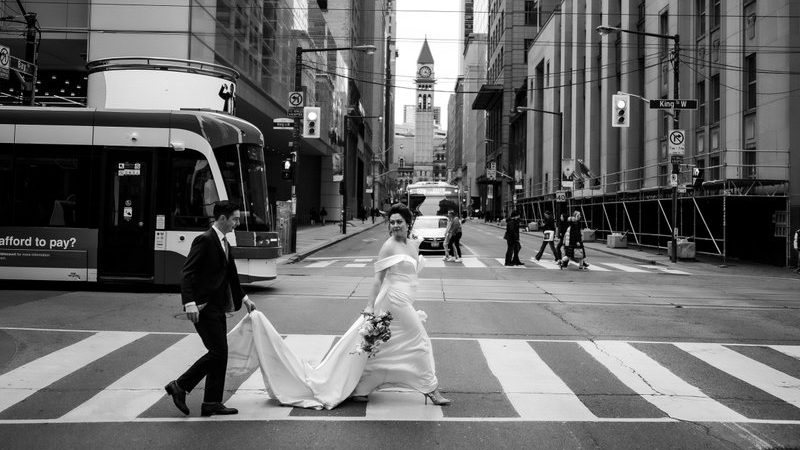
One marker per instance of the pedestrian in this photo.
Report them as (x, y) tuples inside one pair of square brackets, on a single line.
[(362, 213), (549, 232), (513, 245), (796, 244), (372, 213), (454, 233), (210, 288), (323, 215), (314, 215), (573, 241), (561, 229)]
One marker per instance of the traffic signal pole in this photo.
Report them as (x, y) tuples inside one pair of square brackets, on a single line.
[(676, 166), (298, 123)]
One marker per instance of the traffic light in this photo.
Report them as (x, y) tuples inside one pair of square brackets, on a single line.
[(311, 125), (697, 177), (621, 110), (287, 168)]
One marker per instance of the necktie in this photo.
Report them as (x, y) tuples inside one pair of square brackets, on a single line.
[(225, 246)]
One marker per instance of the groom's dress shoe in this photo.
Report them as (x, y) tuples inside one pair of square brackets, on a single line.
[(178, 396), (209, 409)]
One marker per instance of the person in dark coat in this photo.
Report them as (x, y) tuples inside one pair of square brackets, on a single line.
[(549, 231), (512, 241), (561, 228), (573, 240), (210, 288)]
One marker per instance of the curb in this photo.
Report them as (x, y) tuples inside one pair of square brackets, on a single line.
[(291, 258), (641, 259)]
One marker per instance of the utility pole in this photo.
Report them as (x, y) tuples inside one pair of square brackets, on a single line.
[(298, 125), (676, 166)]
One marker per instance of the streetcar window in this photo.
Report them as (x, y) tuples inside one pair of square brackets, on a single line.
[(193, 190), (244, 177), (51, 188)]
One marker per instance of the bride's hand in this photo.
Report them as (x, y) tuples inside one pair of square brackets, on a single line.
[(369, 310)]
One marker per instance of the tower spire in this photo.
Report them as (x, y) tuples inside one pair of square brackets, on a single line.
[(425, 56)]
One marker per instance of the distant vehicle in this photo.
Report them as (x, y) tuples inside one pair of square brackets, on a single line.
[(430, 231), (434, 198), (117, 196)]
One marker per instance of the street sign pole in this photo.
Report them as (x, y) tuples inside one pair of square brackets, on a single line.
[(676, 167)]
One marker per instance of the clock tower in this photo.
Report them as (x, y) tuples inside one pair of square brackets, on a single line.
[(425, 81)]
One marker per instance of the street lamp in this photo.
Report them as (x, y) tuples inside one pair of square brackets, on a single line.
[(560, 115), (604, 30), (298, 85), (343, 188)]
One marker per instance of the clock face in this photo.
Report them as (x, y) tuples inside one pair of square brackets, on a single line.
[(424, 71)]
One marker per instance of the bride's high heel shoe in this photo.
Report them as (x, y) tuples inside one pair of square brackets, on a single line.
[(436, 398), (359, 398)]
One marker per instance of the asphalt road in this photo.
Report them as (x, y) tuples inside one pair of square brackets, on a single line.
[(626, 355)]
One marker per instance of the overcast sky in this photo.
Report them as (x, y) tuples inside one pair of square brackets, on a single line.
[(439, 20)]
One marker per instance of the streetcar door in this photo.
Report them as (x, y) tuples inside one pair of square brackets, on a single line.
[(127, 225)]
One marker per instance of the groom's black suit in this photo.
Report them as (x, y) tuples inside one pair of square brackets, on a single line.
[(212, 282)]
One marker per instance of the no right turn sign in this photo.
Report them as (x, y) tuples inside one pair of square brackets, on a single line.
[(677, 142)]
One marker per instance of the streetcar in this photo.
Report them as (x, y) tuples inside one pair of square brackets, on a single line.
[(433, 198), (117, 196)]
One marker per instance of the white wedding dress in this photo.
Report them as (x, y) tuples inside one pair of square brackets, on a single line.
[(406, 360)]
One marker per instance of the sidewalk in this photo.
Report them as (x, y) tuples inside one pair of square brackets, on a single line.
[(312, 238)]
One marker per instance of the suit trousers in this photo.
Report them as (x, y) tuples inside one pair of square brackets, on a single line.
[(512, 252), (212, 329), (556, 252)]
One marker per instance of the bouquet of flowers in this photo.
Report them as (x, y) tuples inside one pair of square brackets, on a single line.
[(374, 332)]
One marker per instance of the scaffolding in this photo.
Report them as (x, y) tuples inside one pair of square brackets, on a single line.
[(740, 209)]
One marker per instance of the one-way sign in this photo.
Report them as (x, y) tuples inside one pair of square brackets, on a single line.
[(677, 103)]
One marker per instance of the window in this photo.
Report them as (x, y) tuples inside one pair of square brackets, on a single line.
[(664, 29), (531, 12), (749, 162), (193, 190), (51, 186), (700, 18), (715, 93), (750, 82), (528, 43), (700, 93), (716, 17)]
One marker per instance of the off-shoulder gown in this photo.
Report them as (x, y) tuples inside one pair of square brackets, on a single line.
[(406, 360)]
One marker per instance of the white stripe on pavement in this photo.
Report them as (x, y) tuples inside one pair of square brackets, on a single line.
[(750, 371), (22, 382), (139, 389), (791, 350), (593, 266), (251, 399), (355, 265), (545, 264), (435, 263), (322, 263), (401, 405), (657, 384), (534, 390), (625, 268), (664, 269), (472, 262)]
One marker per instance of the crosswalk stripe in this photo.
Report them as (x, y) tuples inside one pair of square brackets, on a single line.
[(137, 391), (322, 263), (625, 268), (760, 375), (24, 381), (355, 265), (657, 384), (534, 390), (401, 405), (545, 265), (596, 268), (435, 263), (252, 400), (791, 350), (664, 269), (472, 262)]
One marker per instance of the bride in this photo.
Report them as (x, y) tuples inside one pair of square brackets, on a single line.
[(405, 360)]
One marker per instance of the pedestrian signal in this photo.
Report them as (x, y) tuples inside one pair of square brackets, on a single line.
[(697, 177), (287, 168), (621, 110), (311, 125)]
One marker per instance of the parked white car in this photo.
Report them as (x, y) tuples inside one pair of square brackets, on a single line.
[(430, 231)]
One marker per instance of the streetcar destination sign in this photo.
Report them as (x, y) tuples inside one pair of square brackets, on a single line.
[(669, 103)]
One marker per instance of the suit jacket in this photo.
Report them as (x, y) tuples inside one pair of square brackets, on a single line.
[(208, 278)]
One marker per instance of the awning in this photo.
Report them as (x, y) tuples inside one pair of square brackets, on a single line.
[(488, 96)]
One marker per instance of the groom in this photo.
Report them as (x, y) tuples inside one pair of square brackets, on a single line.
[(209, 289)]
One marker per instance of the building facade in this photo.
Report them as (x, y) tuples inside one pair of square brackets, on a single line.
[(732, 58)]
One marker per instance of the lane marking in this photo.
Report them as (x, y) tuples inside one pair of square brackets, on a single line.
[(657, 384), (399, 404), (791, 350), (625, 268), (24, 381), (139, 389), (322, 263), (750, 371), (535, 391), (550, 265), (355, 265)]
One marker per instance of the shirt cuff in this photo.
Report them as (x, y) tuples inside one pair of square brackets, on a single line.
[(245, 298), (189, 304)]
